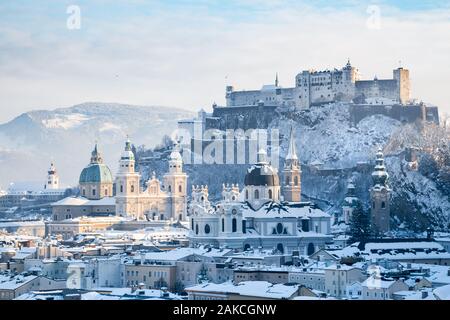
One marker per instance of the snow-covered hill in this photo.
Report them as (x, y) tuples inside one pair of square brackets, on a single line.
[(29, 142), (325, 134)]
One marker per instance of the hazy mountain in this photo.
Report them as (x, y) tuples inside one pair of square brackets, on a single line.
[(66, 135)]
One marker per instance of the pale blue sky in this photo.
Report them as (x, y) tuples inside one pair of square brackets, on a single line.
[(183, 53)]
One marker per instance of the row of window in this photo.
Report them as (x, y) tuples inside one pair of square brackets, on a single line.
[(207, 228)]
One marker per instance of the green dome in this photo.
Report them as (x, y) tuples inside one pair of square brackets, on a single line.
[(96, 172)]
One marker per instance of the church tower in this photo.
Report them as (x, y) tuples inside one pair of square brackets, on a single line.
[(350, 202), (52, 178), (380, 194), (292, 173), (175, 184), (128, 185)]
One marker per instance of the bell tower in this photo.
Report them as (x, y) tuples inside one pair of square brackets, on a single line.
[(128, 185), (52, 178), (292, 173), (175, 184), (380, 194)]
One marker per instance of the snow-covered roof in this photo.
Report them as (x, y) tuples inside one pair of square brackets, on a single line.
[(394, 250), (261, 289), (442, 293), (180, 253), (16, 282), (71, 201), (294, 210)]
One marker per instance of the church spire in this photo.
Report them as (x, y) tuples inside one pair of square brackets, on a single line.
[(292, 151), (276, 80), (95, 155)]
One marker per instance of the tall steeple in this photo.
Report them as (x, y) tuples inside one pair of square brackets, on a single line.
[(96, 156), (292, 150), (292, 172), (276, 80), (380, 194)]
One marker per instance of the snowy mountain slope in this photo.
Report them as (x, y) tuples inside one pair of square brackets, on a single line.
[(67, 136), (325, 134)]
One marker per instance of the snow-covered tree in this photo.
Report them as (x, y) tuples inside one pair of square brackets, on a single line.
[(360, 226)]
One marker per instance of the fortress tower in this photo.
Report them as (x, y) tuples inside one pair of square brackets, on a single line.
[(404, 88), (292, 173)]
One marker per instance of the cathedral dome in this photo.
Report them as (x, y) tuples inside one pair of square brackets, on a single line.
[(262, 173), (96, 171)]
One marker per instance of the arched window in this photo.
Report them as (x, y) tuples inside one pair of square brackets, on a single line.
[(121, 188), (223, 225), (196, 229), (192, 224), (106, 192), (161, 217), (383, 205), (93, 192), (207, 229), (244, 226), (256, 194), (279, 228), (246, 194), (287, 181), (132, 188), (180, 188), (180, 217), (234, 225), (373, 205), (310, 249), (270, 193), (84, 192), (170, 189), (280, 247), (246, 247), (296, 180)]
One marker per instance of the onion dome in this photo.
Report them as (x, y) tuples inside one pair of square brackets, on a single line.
[(379, 175), (127, 154)]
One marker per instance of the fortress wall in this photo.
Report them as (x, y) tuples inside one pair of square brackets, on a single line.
[(409, 113)]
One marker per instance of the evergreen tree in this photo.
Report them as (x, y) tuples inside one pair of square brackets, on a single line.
[(360, 226)]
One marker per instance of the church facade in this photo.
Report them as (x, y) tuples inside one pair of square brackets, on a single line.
[(101, 195), (260, 216), (158, 201)]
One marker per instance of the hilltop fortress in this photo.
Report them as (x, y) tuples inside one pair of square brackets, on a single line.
[(254, 109), (319, 87)]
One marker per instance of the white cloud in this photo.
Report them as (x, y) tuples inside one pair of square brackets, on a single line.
[(181, 58)]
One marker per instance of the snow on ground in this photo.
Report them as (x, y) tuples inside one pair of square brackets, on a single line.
[(329, 137), (67, 121)]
